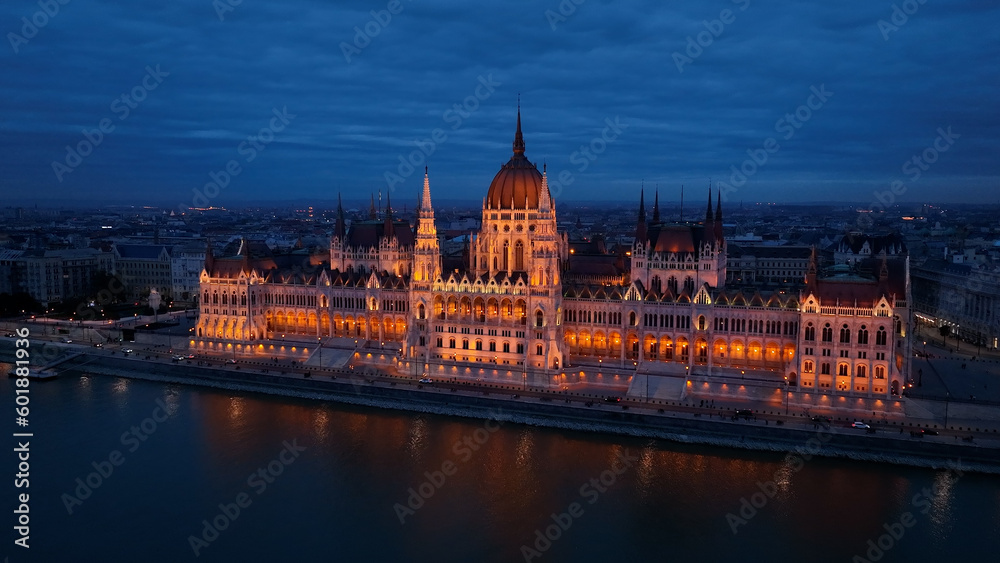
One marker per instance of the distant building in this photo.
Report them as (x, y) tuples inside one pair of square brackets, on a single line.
[(142, 267), (854, 247), (8, 267), (782, 265), (960, 296), (53, 276), (186, 263)]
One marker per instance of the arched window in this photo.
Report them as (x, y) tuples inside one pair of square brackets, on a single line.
[(862, 371), (842, 369), (451, 342), (672, 285), (879, 372), (845, 335), (811, 333), (656, 284), (827, 333), (506, 255), (225, 299), (420, 311), (880, 336), (689, 285), (519, 256), (701, 322), (538, 319), (863, 335), (631, 318)]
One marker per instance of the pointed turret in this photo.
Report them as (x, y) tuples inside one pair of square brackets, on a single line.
[(340, 228), (708, 209), (426, 251), (883, 273), (372, 213), (811, 271), (545, 199), (425, 198), (388, 230), (518, 138), (656, 206), (640, 228)]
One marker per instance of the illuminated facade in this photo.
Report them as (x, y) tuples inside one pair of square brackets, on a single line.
[(523, 302)]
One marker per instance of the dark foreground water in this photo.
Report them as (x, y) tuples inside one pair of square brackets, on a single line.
[(334, 500)]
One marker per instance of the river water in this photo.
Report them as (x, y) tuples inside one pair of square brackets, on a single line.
[(316, 481)]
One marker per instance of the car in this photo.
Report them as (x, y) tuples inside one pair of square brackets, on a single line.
[(231, 361), (612, 399), (9, 335), (67, 340), (928, 432), (98, 345), (190, 356), (822, 419), (743, 413), (177, 358), (126, 350), (426, 380), (859, 424)]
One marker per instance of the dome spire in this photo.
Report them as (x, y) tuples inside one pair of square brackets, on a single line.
[(518, 138)]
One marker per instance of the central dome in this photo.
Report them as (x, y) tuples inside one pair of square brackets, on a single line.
[(518, 184)]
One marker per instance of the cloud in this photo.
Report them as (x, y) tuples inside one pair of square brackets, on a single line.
[(607, 59)]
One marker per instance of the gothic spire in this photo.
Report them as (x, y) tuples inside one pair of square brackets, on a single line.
[(425, 200), (640, 228), (340, 230), (708, 209), (656, 206), (372, 213), (518, 138), (388, 231)]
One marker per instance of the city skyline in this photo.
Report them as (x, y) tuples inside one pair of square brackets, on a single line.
[(813, 103)]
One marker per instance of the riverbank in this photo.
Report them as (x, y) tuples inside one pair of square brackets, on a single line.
[(558, 412)]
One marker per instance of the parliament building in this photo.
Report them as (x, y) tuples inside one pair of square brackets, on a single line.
[(527, 301)]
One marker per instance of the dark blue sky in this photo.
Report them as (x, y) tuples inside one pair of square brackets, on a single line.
[(220, 81)]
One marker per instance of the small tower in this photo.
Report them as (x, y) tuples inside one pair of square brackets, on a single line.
[(427, 253), (640, 228)]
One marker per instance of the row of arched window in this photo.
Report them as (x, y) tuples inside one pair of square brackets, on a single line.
[(881, 336)]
